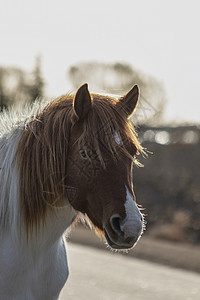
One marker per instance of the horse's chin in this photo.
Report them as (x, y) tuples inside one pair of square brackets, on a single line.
[(103, 233), (117, 245)]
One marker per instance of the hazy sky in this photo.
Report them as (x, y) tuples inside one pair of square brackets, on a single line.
[(161, 38)]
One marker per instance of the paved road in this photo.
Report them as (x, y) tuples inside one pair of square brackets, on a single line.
[(101, 275)]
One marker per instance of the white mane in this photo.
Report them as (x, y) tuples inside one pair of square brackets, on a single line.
[(16, 117)]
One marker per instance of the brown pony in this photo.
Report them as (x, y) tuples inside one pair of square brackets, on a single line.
[(74, 156)]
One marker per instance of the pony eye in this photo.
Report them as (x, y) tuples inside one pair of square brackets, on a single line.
[(83, 154), (89, 153)]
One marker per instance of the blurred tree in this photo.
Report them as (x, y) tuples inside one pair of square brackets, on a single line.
[(20, 87), (118, 78), (11, 86), (37, 86), (3, 100)]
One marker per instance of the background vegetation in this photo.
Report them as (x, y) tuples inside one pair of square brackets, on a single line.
[(18, 87)]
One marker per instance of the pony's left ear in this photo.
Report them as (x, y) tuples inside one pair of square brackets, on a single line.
[(82, 102), (128, 102)]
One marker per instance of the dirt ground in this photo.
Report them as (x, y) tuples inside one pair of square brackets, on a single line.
[(179, 255), (100, 275), (153, 270)]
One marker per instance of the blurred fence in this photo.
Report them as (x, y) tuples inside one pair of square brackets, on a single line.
[(169, 184)]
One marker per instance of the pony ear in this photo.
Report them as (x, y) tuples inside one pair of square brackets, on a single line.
[(128, 102), (82, 102)]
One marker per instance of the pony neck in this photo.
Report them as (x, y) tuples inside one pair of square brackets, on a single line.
[(50, 233), (12, 221)]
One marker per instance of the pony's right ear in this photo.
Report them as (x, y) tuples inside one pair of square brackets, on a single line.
[(82, 102)]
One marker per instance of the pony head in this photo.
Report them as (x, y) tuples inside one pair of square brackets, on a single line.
[(101, 152), (80, 150)]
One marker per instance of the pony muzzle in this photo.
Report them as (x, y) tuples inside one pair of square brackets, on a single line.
[(123, 234)]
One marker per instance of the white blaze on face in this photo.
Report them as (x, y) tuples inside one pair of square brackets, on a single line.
[(132, 224), (117, 138)]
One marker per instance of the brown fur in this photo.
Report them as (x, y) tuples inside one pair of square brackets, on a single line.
[(43, 150)]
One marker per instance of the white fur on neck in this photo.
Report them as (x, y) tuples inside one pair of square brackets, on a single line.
[(38, 270)]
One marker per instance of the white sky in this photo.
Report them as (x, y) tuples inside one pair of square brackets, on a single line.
[(161, 38)]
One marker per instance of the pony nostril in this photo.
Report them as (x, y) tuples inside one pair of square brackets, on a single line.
[(115, 221)]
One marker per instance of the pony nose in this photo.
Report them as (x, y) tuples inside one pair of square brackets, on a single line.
[(128, 231)]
